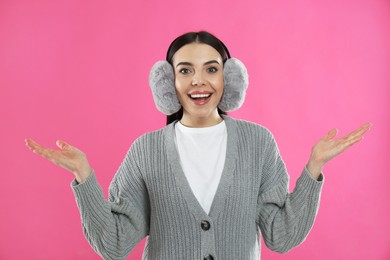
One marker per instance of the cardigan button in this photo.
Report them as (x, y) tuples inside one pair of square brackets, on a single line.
[(208, 257), (205, 225)]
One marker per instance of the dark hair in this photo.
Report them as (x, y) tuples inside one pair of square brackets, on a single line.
[(199, 37)]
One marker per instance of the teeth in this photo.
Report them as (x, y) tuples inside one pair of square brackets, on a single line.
[(200, 95)]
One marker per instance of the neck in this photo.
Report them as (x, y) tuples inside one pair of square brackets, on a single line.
[(198, 121)]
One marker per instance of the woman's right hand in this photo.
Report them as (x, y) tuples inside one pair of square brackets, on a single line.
[(68, 157)]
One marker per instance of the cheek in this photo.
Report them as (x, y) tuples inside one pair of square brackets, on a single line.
[(180, 82), (218, 83), (178, 85)]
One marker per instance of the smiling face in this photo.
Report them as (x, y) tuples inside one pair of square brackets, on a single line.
[(199, 83)]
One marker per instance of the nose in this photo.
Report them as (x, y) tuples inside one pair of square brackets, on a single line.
[(197, 80)]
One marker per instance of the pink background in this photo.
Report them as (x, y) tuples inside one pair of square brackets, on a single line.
[(78, 70)]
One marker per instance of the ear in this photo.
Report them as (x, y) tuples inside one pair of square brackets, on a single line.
[(162, 84), (235, 77)]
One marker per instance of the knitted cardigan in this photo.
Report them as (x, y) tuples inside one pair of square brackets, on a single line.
[(150, 196)]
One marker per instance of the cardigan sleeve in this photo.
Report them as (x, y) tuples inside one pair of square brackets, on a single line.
[(284, 218), (115, 227)]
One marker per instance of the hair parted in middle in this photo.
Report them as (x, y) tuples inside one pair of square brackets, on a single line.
[(198, 37), (162, 78)]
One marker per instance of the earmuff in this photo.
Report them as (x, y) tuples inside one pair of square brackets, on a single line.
[(162, 84)]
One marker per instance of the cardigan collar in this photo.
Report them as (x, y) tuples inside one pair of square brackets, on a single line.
[(226, 178)]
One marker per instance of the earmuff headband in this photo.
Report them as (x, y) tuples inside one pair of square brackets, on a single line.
[(162, 84)]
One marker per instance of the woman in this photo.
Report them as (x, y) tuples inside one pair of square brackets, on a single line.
[(203, 186)]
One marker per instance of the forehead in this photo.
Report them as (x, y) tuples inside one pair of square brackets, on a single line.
[(196, 53)]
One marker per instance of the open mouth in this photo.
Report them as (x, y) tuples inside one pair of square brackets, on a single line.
[(199, 96)]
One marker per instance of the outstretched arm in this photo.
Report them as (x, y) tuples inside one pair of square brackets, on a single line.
[(328, 147), (284, 218), (113, 227)]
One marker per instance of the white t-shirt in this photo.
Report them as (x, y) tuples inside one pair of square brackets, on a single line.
[(202, 154)]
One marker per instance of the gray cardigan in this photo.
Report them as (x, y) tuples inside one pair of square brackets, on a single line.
[(150, 196)]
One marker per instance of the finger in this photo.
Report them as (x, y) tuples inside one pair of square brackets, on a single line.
[(31, 144), (363, 128), (368, 124), (45, 152), (40, 150), (63, 145), (331, 134), (358, 132), (348, 143)]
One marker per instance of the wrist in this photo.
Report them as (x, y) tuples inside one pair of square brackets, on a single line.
[(314, 168), (83, 174)]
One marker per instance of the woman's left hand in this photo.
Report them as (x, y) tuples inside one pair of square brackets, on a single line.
[(328, 147)]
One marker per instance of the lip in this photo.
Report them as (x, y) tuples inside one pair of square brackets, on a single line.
[(199, 92), (200, 101)]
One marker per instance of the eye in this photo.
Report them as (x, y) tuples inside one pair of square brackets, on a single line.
[(184, 71), (212, 69)]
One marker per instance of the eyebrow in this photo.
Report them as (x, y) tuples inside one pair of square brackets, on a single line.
[(190, 64)]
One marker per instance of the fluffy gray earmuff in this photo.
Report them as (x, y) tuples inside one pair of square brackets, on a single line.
[(162, 83), (235, 77)]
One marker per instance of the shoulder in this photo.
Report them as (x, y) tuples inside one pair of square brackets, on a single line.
[(250, 128), (147, 146), (255, 136), (152, 138)]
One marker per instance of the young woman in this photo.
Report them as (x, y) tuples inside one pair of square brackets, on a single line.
[(206, 186)]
